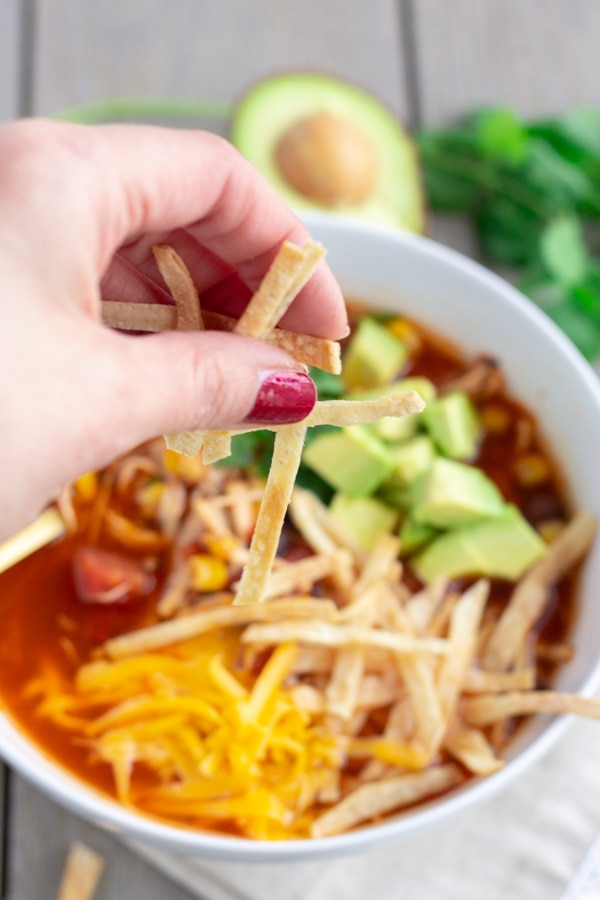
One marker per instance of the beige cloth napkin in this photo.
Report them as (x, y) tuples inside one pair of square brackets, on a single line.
[(525, 844)]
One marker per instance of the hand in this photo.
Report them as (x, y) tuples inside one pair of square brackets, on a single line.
[(80, 208)]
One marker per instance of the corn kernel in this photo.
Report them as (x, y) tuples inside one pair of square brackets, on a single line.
[(550, 529), (495, 419), (207, 573), (148, 498), (407, 333), (531, 469), (222, 547), (86, 486), (189, 468)]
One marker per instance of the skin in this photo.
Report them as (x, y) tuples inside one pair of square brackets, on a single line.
[(80, 208)]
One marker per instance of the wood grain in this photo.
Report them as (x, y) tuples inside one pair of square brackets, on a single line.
[(9, 58), (540, 57), (41, 834), (210, 50)]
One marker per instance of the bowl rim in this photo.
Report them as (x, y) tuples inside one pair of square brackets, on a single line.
[(55, 780)]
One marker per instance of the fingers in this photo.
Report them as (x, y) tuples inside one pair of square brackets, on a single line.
[(180, 381), (162, 179)]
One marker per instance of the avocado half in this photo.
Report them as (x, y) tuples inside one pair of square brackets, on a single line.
[(327, 145)]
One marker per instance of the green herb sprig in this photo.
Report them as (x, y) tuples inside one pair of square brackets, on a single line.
[(532, 192)]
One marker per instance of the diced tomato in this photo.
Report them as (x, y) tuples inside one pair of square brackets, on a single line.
[(102, 577)]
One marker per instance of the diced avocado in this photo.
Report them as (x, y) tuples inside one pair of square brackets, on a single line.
[(325, 144), (364, 518), (373, 357), (414, 535), (504, 547), (452, 493), (411, 459), (398, 428), (453, 424), (399, 497), (350, 459)]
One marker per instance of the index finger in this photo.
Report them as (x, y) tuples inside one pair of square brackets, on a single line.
[(156, 180)]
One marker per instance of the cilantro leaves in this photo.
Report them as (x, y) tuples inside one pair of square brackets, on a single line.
[(532, 192)]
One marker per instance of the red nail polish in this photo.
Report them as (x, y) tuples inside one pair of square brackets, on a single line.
[(283, 397)]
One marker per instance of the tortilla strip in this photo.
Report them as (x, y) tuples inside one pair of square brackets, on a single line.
[(278, 490), (531, 593), (478, 681), (470, 747), (268, 303), (325, 634), (155, 317), (165, 633), (491, 707), (318, 527), (81, 873), (464, 627), (363, 412), (298, 576), (183, 290), (376, 798)]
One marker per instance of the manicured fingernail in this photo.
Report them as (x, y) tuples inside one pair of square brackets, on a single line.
[(283, 397)]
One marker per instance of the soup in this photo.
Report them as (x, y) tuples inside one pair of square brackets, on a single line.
[(356, 694)]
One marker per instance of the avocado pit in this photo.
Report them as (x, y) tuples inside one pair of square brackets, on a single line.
[(327, 159)]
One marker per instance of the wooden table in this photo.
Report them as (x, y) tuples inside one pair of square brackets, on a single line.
[(430, 60)]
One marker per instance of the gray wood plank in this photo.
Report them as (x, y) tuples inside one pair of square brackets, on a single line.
[(207, 49), (41, 834), (9, 58), (540, 57)]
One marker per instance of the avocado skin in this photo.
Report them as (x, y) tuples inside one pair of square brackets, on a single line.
[(273, 106)]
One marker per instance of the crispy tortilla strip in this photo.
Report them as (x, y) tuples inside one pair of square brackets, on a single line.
[(379, 564), (325, 634), (318, 527), (341, 693), (464, 627), (150, 317), (165, 633), (216, 446), (81, 873), (153, 317), (278, 490), (183, 290), (310, 350), (400, 727), (188, 318), (490, 708), (422, 605), (363, 412), (418, 675), (478, 681), (187, 443), (288, 272), (298, 576), (531, 594), (375, 799), (470, 747)]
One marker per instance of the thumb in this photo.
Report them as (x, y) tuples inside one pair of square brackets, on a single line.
[(179, 381)]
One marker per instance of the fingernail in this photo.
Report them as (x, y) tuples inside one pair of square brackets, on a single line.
[(283, 397)]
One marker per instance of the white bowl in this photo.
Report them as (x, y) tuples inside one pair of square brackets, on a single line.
[(480, 313)]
